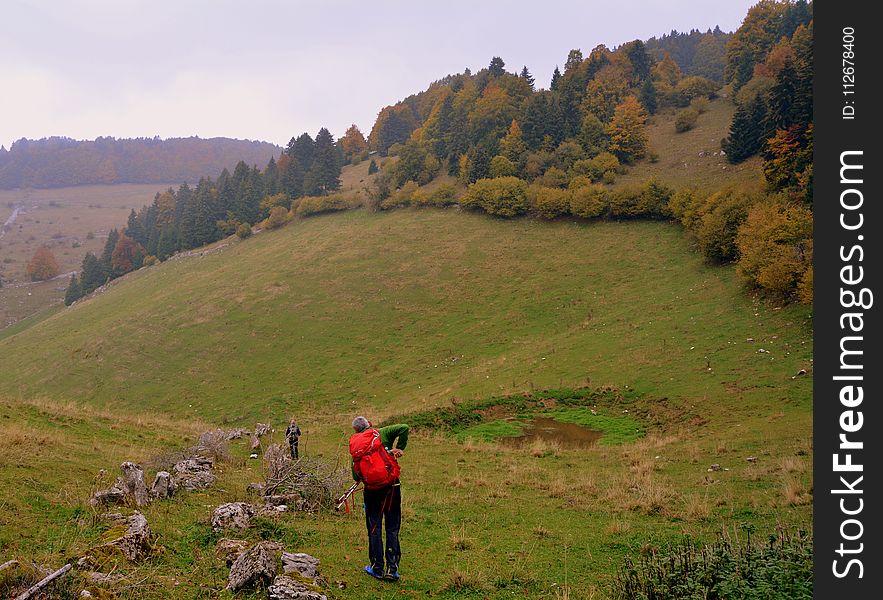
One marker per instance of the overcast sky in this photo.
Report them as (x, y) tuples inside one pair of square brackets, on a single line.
[(272, 69)]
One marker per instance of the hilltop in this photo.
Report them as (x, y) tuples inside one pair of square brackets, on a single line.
[(60, 162)]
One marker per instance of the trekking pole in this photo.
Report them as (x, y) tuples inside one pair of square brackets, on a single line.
[(342, 500)]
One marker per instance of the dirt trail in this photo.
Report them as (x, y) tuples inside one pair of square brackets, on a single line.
[(8, 224)]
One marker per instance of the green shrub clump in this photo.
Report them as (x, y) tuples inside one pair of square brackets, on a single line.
[(243, 231), (500, 196), (315, 205), (686, 119)]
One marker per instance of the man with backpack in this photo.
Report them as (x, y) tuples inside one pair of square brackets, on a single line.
[(375, 453), (292, 434)]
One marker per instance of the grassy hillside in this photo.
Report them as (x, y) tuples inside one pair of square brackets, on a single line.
[(63, 220), (693, 158), (399, 312)]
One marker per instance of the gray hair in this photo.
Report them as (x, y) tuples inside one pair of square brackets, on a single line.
[(360, 424)]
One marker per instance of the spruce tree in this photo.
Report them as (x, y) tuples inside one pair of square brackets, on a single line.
[(747, 132), (74, 292), (496, 68), (107, 254), (525, 74), (556, 79), (324, 176), (372, 167), (271, 178), (648, 96), (91, 274)]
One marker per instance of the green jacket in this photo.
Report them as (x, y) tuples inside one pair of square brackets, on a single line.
[(391, 436)]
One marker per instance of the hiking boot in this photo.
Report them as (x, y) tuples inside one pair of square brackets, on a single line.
[(375, 574), (392, 575)]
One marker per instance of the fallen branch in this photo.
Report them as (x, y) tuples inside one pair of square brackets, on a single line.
[(43, 583), (8, 564)]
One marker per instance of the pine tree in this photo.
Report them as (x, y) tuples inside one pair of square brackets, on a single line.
[(479, 164), (525, 74), (372, 167), (91, 274), (271, 178), (107, 254), (747, 132), (556, 79), (324, 176), (648, 96), (496, 68), (73, 292)]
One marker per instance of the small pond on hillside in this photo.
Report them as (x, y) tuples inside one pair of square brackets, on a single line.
[(568, 435)]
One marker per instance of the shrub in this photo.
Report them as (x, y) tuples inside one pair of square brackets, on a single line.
[(279, 216), (150, 260), (597, 166), (315, 205), (553, 177), (720, 216), (775, 249), (401, 197), (694, 87), (501, 196), (626, 202), (549, 202), (579, 181), (781, 568), (700, 104), (502, 166), (243, 231), (609, 177), (686, 119), (444, 195), (589, 201)]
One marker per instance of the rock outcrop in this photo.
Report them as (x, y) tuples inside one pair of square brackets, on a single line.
[(288, 588), (257, 565), (133, 484), (163, 486), (232, 515), (194, 473)]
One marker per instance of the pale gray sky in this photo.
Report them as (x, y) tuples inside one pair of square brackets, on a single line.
[(270, 69)]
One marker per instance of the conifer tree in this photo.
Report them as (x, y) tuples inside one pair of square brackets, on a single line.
[(648, 96), (496, 68), (372, 167), (324, 176), (556, 79), (107, 254), (91, 274), (747, 132), (73, 292), (525, 74)]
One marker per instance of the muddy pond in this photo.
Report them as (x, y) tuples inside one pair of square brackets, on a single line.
[(568, 435)]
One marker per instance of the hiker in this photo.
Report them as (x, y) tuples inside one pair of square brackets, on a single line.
[(292, 434), (375, 453)]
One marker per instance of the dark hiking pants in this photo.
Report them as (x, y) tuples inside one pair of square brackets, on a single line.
[(384, 504), (293, 444)]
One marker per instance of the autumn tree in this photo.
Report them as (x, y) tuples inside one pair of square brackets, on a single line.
[(628, 131), (127, 256), (512, 145), (353, 143), (43, 265)]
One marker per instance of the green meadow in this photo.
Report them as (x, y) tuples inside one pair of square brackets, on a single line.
[(399, 313)]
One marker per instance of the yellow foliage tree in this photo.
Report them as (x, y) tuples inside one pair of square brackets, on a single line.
[(43, 265), (628, 130)]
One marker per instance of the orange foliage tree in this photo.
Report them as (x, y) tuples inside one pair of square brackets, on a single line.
[(43, 265)]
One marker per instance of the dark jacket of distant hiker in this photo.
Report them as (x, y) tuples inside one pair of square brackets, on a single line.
[(385, 504), (292, 433)]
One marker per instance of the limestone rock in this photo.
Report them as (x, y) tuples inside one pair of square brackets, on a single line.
[(288, 588), (262, 429), (163, 485), (135, 542), (229, 549), (303, 564), (111, 496), (194, 473), (133, 482), (235, 434), (257, 564), (232, 515)]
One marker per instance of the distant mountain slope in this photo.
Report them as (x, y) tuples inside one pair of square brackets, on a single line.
[(60, 161)]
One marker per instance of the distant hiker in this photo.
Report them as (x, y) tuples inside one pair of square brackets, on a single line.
[(292, 434), (375, 453)]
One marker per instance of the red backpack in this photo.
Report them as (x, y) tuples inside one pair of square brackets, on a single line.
[(376, 467)]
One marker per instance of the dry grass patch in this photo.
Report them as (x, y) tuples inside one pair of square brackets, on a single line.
[(541, 448), (696, 508), (794, 493), (618, 527), (792, 464)]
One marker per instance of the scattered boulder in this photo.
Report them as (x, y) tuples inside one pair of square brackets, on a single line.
[(232, 515), (229, 549), (235, 434), (303, 564), (163, 485), (751, 459), (194, 473), (262, 429), (288, 588), (714, 467), (112, 496), (134, 543), (133, 484), (258, 564)]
